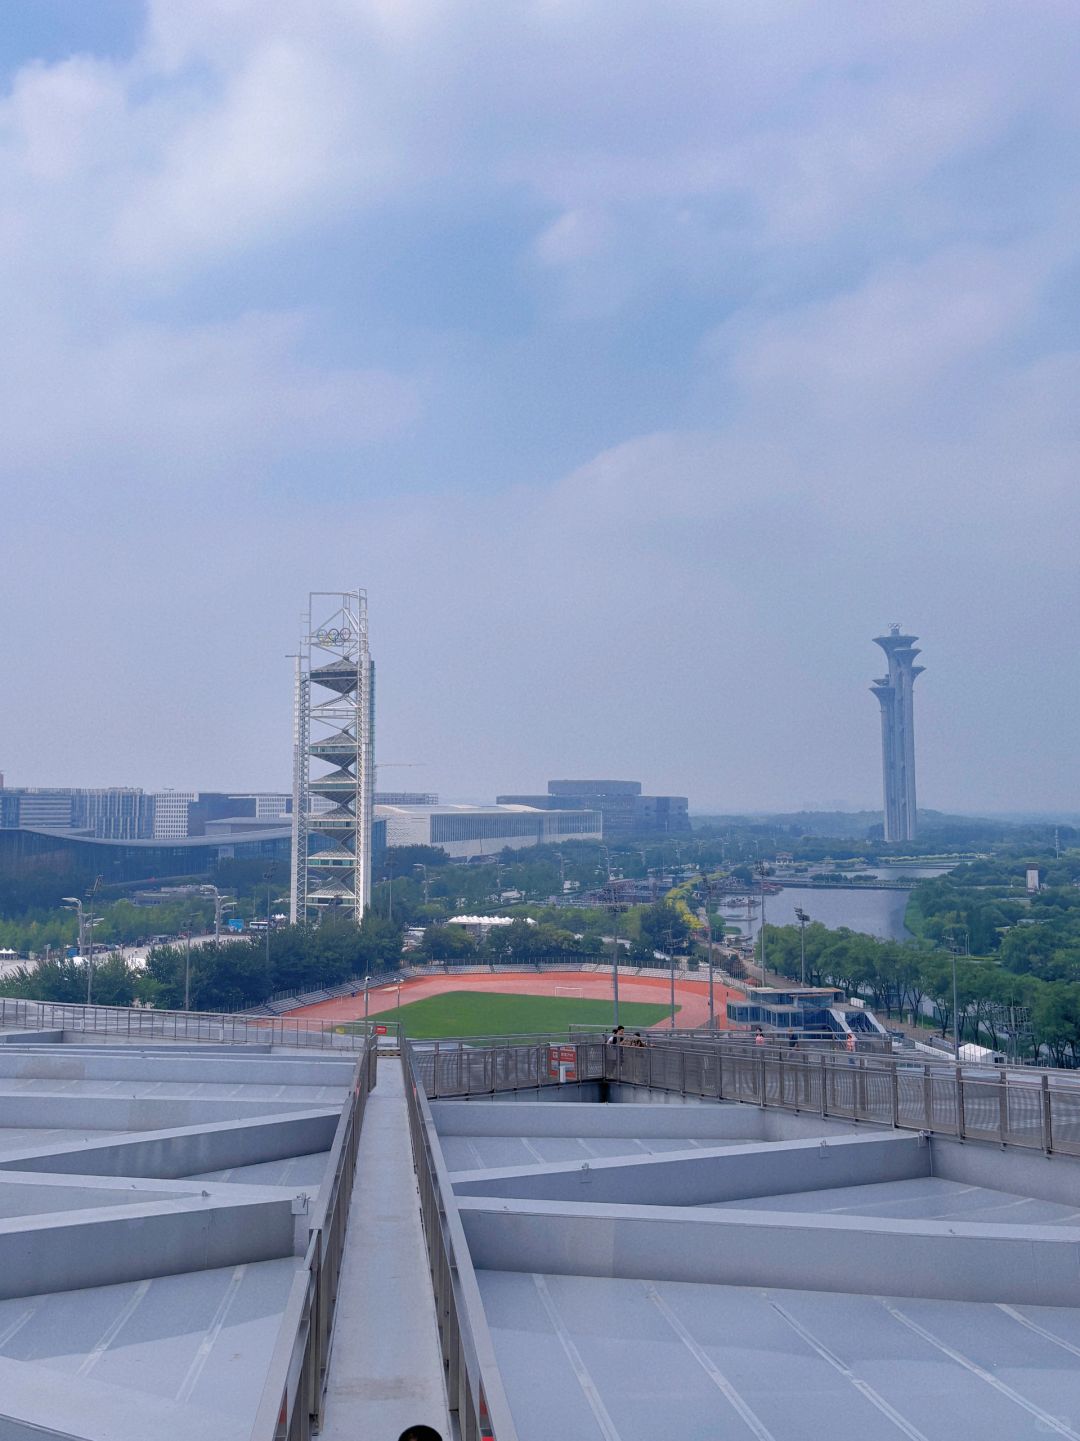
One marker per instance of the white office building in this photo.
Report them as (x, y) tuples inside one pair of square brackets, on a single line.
[(466, 831), (269, 805), (171, 815)]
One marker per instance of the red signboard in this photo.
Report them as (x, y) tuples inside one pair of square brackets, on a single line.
[(562, 1063), (380, 1030)]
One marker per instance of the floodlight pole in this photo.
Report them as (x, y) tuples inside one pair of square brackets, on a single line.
[(763, 871), (708, 934), (268, 877), (802, 918), (90, 953), (671, 959), (615, 968)]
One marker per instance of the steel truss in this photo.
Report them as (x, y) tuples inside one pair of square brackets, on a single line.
[(333, 725)]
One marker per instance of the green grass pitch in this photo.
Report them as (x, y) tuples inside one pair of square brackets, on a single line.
[(479, 1013)]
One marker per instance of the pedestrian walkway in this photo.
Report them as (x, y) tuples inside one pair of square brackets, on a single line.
[(386, 1369)]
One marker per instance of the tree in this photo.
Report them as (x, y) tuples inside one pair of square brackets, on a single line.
[(446, 943), (663, 927)]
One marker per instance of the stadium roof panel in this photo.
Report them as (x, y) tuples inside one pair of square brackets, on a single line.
[(716, 1269), (154, 1213)]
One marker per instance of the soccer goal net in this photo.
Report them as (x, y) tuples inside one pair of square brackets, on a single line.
[(570, 991)]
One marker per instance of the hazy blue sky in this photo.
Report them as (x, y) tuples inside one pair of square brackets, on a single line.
[(642, 360)]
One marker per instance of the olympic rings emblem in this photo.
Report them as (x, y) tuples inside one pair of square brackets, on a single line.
[(333, 636)]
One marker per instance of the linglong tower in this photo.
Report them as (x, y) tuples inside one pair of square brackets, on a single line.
[(334, 725), (894, 692)]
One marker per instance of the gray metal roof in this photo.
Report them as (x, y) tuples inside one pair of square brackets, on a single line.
[(154, 1210), (225, 838), (718, 1271)]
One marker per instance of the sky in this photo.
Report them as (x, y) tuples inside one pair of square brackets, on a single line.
[(642, 362)]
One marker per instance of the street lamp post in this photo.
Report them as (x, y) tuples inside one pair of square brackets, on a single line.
[(187, 969), (712, 972), (955, 933), (72, 903), (763, 871), (221, 905), (615, 967), (420, 866), (671, 960), (86, 933), (268, 877), (612, 905), (802, 918), (76, 905), (955, 1012)]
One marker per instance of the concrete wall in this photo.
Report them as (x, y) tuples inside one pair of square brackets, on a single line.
[(695, 1178)]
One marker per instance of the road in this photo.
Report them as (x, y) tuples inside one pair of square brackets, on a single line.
[(135, 954)]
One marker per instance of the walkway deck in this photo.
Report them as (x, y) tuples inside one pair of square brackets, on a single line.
[(385, 1368)]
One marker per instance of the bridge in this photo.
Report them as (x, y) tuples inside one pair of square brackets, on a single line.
[(819, 883)]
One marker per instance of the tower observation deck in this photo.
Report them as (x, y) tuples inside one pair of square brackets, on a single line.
[(334, 728), (894, 693)]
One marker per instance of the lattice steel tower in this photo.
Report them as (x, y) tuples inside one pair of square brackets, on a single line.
[(334, 726), (894, 693)]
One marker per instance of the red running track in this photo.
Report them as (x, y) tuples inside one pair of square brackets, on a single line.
[(691, 996)]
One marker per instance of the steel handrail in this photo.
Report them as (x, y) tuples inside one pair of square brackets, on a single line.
[(1036, 1110), (474, 1386), (291, 1404), (210, 1026)]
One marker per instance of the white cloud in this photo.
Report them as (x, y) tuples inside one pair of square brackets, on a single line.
[(819, 247)]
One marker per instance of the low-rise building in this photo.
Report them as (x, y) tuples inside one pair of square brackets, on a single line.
[(467, 831), (625, 811)]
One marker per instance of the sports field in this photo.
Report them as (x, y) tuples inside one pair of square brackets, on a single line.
[(691, 995), (474, 1013)]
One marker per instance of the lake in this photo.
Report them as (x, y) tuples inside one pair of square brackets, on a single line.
[(877, 913)]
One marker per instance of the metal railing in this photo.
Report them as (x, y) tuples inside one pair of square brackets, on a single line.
[(1033, 1109), (473, 1385), (146, 1023), (291, 1405)]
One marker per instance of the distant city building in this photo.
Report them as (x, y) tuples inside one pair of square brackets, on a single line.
[(479, 926), (111, 813), (894, 693), (625, 811), (71, 854), (172, 814), (114, 813), (128, 813), (467, 831), (406, 798), (36, 806), (269, 805)]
